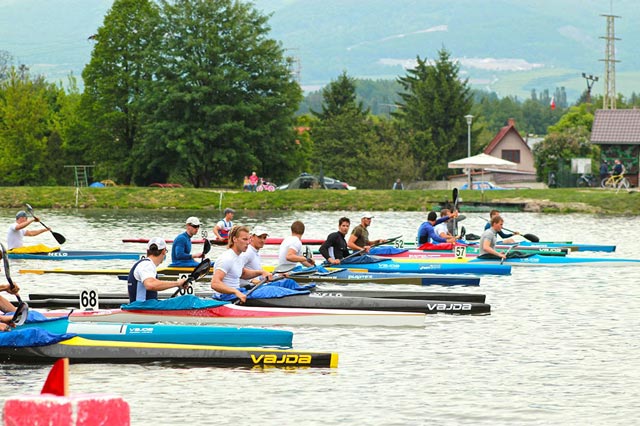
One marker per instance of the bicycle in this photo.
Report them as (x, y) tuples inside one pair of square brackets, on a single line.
[(585, 180), (615, 182), (265, 186)]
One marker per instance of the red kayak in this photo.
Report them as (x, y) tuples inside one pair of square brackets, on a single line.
[(273, 241)]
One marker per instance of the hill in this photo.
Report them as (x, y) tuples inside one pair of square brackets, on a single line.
[(507, 46)]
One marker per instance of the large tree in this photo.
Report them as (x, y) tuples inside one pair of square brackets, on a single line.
[(120, 64), (433, 104), (222, 100)]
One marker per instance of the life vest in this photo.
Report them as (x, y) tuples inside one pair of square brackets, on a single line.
[(133, 284)]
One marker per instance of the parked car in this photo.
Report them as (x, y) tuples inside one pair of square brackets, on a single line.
[(336, 184), (483, 186), (307, 181)]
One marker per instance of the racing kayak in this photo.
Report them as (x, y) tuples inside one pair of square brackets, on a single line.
[(323, 301), (575, 247), (556, 261), (223, 242), (78, 255), (416, 267), (169, 270), (237, 314), (384, 294), (81, 350), (347, 276), (168, 333), (469, 251)]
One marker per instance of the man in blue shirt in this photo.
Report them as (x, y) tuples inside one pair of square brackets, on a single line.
[(426, 233), (181, 249)]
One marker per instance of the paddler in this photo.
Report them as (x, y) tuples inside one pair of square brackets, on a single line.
[(6, 306), (489, 237), (230, 267), (427, 233), (18, 230), (334, 248), (290, 252), (359, 238), (181, 248), (143, 282), (506, 237), (224, 225)]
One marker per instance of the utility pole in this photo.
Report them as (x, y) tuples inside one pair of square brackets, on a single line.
[(610, 95), (590, 80)]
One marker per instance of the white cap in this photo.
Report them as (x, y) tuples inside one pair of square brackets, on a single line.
[(259, 230), (193, 221), (158, 242), (367, 215)]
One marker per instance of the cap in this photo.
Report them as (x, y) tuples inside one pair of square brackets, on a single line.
[(158, 242), (259, 230), (21, 213), (193, 221), (228, 210), (367, 215)]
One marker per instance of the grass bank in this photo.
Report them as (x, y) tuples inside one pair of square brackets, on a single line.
[(566, 200)]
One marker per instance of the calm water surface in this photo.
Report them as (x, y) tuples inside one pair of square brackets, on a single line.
[(561, 345)]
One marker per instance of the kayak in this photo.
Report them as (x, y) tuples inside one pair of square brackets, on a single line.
[(384, 294), (81, 350), (414, 267), (78, 255), (347, 276), (324, 301), (567, 245), (557, 261), (223, 242), (168, 270), (576, 247), (168, 333), (470, 251), (237, 314)]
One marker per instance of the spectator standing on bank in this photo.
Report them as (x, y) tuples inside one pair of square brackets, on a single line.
[(398, 184), (253, 181)]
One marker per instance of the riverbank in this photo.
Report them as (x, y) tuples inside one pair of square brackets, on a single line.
[(566, 200)]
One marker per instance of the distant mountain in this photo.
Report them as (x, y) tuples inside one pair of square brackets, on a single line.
[(507, 46)]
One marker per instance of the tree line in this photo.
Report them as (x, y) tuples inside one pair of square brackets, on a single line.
[(196, 92)]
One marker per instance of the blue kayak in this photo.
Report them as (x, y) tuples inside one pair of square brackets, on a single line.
[(166, 333), (374, 264), (536, 259), (78, 255), (572, 246)]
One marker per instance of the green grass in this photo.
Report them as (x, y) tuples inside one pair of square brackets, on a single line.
[(567, 200)]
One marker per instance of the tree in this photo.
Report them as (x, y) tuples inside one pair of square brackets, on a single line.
[(24, 121), (114, 78), (339, 97), (222, 100), (434, 103)]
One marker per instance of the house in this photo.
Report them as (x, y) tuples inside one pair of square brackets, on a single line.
[(509, 145), (617, 131)]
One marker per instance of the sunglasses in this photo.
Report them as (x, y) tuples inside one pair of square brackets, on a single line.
[(194, 226)]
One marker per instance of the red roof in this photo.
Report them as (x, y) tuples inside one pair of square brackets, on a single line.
[(501, 134)]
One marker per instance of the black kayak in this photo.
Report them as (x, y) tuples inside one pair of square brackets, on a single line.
[(384, 294)]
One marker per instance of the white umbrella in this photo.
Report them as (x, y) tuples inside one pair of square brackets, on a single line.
[(482, 161)]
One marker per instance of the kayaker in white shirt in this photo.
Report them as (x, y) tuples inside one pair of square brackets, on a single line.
[(230, 267), (18, 230), (290, 252)]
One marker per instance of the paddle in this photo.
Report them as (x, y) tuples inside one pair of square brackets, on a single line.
[(506, 254), (21, 313), (455, 208), (359, 252), (59, 237), (206, 249), (197, 273), (530, 237)]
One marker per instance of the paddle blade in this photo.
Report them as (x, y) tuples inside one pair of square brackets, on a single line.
[(531, 238), (21, 314), (201, 270), (29, 209), (59, 237), (207, 247), (454, 196)]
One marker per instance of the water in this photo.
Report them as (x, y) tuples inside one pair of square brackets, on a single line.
[(560, 345)]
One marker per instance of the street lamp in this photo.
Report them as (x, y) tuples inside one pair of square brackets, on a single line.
[(469, 121)]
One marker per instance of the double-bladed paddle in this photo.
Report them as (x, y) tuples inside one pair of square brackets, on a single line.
[(21, 313), (530, 237), (359, 252), (280, 276), (59, 237), (198, 272)]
